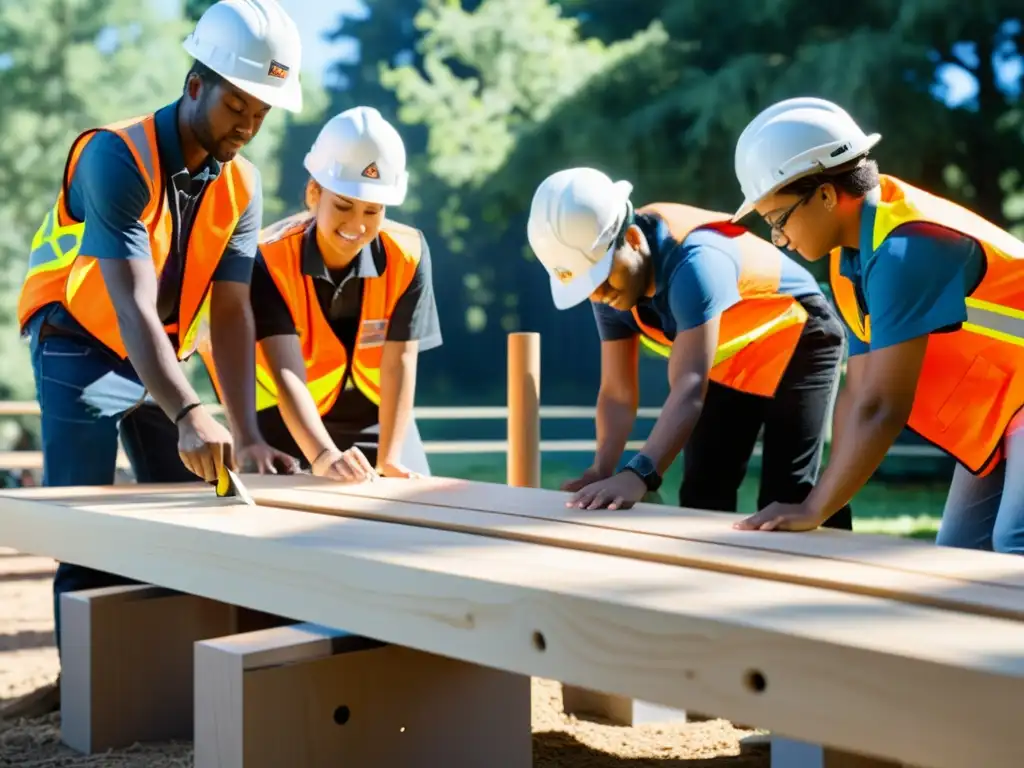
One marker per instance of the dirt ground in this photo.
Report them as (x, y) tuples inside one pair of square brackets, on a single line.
[(28, 659)]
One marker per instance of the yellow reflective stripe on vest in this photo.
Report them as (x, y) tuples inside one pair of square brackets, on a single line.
[(54, 246), (198, 332), (321, 389), (995, 321), (368, 381), (792, 316)]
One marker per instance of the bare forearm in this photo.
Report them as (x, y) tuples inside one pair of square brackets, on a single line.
[(154, 359), (864, 430), (675, 424), (614, 422), (300, 414), (397, 399), (234, 354)]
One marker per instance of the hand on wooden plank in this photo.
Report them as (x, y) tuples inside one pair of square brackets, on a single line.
[(394, 469), (619, 491), (590, 475), (781, 517), (349, 466), (204, 444), (266, 460)]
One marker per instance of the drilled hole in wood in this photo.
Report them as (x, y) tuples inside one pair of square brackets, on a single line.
[(539, 642), (342, 714), (756, 681)]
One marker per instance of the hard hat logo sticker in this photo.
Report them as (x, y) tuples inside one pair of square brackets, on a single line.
[(371, 171), (277, 69)]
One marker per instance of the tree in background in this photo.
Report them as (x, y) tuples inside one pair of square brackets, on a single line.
[(486, 78), (667, 113)]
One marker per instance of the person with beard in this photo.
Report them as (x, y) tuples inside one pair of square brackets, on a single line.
[(749, 338), (148, 248), (344, 303)]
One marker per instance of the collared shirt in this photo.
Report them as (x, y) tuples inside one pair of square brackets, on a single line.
[(694, 280), (915, 283), (340, 295), (108, 192)]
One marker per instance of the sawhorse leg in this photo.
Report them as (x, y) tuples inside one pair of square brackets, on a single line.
[(617, 710), (311, 697), (126, 658)]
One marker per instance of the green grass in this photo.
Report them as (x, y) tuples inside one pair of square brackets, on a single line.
[(898, 509)]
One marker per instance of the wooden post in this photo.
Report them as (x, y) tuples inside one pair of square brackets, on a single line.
[(523, 461), (310, 696)]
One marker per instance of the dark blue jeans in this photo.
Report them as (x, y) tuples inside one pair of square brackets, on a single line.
[(87, 396)]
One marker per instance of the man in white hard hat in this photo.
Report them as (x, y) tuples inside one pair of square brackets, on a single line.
[(344, 302), (150, 244), (932, 296), (750, 341)]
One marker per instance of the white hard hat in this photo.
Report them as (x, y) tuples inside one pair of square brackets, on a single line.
[(791, 139), (360, 154), (255, 46), (575, 217)]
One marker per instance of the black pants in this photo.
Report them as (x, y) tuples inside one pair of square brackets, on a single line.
[(345, 436), (795, 422)]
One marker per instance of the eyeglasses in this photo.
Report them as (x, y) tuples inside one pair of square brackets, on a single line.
[(779, 238)]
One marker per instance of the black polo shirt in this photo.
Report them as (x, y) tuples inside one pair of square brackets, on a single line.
[(340, 295)]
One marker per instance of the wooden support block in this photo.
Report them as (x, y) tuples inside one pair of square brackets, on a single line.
[(311, 697), (790, 753), (617, 710), (126, 663)]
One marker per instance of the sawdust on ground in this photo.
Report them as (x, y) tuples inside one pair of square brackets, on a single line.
[(28, 659)]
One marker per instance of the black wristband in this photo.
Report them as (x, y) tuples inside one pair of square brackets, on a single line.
[(184, 411)]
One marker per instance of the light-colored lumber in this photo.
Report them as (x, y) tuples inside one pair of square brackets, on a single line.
[(126, 663), (876, 580), (585, 704), (314, 697), (852, 672)]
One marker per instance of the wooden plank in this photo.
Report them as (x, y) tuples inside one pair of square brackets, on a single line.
[(618, 536), (856, 673), (850, 576), (903, 556)]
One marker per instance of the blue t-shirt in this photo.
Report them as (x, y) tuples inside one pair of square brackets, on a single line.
[(915, 283), (694, 280), (109, 193)]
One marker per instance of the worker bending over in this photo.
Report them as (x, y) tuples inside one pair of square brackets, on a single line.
[(750, 340), (152, 239), (344, 302), (933, 297)]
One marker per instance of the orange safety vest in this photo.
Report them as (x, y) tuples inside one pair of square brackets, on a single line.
[(758, 334), (59, 272), (972, 382), (326, 360)]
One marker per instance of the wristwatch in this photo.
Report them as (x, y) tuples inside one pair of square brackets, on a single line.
[(644, 468)]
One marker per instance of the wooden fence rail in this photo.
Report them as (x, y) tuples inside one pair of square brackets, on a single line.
[(31, 460)]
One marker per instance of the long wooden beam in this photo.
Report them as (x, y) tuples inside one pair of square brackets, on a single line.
[(832, 560), (928, 687), (848, 576), (902, 556)]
